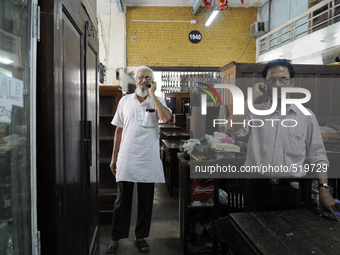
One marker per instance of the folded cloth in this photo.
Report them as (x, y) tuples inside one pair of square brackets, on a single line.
[(336, 127)]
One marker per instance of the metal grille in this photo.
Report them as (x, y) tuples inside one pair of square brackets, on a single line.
[(187, 81), (8, 42)]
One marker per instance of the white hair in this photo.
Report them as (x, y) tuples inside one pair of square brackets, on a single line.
[(140, 68)]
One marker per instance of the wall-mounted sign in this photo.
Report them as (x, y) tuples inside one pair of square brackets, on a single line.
[(195, 36), (11, 93)]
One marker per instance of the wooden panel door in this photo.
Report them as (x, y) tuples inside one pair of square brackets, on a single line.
[(72, 85), (91, 175), (67, 114)]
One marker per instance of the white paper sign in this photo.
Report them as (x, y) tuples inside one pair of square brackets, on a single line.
[(11, 93)]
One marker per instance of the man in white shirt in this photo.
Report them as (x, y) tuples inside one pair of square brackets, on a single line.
[(134, 158), (277, 145)]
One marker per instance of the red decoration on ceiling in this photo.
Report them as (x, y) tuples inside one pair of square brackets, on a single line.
[(207, 4), (223, 4)]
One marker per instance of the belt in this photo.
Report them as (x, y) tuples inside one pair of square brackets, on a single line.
[(276, 181)]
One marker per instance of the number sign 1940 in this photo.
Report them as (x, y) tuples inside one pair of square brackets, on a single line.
[(195, 36)]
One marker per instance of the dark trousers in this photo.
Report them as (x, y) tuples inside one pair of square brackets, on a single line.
[(260, 195), (122, 210)]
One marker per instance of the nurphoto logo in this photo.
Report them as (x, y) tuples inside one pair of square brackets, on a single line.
[(238, 104)]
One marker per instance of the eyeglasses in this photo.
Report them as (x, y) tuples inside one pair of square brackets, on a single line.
[(272, 81), (148, 78)]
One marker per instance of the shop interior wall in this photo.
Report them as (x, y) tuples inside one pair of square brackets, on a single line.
[(125, 44), (112, 46), (166, 44)]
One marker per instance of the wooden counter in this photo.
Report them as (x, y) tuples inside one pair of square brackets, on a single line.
[(170, 163), (174, 135), (168, 127), (284, 232)]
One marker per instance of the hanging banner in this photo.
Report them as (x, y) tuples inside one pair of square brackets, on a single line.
[(11, 93)]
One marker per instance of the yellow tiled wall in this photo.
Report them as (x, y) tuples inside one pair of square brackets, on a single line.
[(166, 44)]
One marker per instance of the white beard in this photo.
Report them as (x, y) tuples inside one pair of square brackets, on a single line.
[(142, 92)]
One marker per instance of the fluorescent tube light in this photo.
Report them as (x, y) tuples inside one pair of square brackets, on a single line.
[(6, 61), (212, 16)]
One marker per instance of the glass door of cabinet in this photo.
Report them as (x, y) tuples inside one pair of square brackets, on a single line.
[(18, 40)]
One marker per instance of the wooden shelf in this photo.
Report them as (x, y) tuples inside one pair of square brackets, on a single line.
[(109, 97), (187, 211), (105, 138)]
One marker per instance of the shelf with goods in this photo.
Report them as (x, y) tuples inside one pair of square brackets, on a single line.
[(201, 203), (192, 216), (109, 97)]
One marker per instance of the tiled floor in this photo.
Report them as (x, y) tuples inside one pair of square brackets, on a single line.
[(164, 233)]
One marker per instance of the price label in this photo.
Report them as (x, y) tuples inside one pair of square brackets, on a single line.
[(4, 112), (195, 36), (10, 94)]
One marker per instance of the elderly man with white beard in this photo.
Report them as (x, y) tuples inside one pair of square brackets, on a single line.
[(135, 158)]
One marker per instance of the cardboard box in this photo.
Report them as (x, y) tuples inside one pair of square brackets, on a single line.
[(202, 192)]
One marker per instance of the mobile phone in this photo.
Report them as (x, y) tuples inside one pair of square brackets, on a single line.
[(264, 88), (148, 85)]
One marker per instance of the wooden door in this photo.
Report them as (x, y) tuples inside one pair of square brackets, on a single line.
[(67, 131), (72, 86)]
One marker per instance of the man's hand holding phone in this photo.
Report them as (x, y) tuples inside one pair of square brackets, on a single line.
[(152, 85), (259, 90)]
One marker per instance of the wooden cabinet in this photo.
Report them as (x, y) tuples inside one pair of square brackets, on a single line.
[(175, 101), (109, 97), (232, 201), (242, 75), (170, 148), (179, 103), (188, 211)]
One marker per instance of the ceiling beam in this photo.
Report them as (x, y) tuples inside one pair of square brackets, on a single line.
[(120, 6), (196, 5)]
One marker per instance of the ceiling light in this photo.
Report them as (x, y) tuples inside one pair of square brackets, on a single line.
[(212, 16), (6, 61)]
